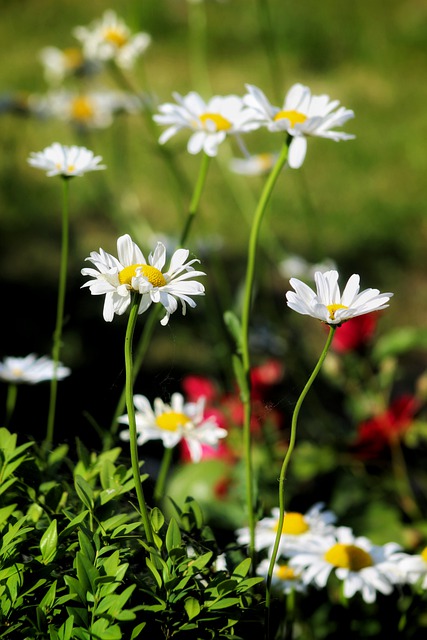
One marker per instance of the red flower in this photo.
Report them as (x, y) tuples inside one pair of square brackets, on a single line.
[(380, 431), (197, 386), (354, 333), (264, 376)]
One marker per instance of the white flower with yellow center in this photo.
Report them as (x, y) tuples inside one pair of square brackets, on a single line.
[(31, 370), (328, 304), (412, 569), (284, 579), (118, 278), (296, 526), (361, 566), (60, 160), (58, 64), (173, 423), (301, 115), (254, 165), (211, 122), (111, 39)]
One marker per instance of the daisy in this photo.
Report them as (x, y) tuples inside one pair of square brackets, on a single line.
[(211, 122), (59, 64), (111, 39), (94, 109), (296, 526), (413, 569), (284, 579), (328, 304), (31, 370), (254, 165), (60, 160), (118, 278), (175, 422), (361, 566), (301, 115)]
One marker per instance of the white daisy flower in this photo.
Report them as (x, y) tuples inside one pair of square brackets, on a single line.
[(118, 278), (31, 370), (92, 110), (58, 64), (211, 122), (254, 165), (296, 526), (361, 566), (328, 304), (412, 569), (301, 115), (111, 39), (175, 422), (60, 160), (284, 579)]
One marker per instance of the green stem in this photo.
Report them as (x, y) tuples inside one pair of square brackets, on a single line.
[(159, 489), (57, 336), (285, 464), (131, 415), (247, 301), (196, 197), (12, 392)]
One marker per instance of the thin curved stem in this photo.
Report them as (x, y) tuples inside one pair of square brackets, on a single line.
[(12, 392), (159, 489), (284, 468), (247, 302), (57, 336), (131, 415)]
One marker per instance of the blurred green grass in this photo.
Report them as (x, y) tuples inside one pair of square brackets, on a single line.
[(361, 203)]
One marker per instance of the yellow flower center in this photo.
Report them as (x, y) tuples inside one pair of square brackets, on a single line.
[(73, 58), (152, 274), (115, 37), (348, 556), (82, 109), (332, 308), (294, 524), (172, 420), (424, 554), (285, 573), (221, 123), (294, 117)]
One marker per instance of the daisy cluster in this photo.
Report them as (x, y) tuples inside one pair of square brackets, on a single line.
[(314, 552), (301, 115), (106, 43)]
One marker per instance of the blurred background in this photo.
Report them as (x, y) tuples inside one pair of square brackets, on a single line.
[(360, 203)]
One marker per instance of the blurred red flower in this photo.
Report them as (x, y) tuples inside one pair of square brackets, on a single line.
[(355, 333), (380, 431)]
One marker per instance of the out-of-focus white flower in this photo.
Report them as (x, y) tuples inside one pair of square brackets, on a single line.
[(109, 38), (412, 569), (328, 304), (175, 422), (210, 122), (59, 64), (296, 526), (92, 110), (118, 278), (31, 370), (60, 160), (284, 579), (255, 165), (361, 566), (297, 266), (301, 115)]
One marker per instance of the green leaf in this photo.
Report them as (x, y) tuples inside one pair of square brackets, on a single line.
[(201, 561), (173, 535), (137, 630), (242, 569), (157, 519), (49, 598), (233, 325), (5, 512), (400, 341), (84, 491), (192, 607), (241, 378), (49, 543), (224, 603), (155, 573)]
